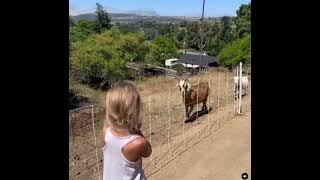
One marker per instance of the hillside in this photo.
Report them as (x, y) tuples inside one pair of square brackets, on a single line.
[(92, 16), (135, 17)]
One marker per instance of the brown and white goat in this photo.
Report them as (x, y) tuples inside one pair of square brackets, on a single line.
[(193, 95)]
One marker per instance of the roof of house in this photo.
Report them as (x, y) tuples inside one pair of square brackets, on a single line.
[(170, 60), (207, 61)]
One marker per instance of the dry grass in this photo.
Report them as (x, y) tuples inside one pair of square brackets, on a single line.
[(94, 96), (163, 124)]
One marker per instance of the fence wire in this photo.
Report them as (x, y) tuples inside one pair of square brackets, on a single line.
[(164, 126)]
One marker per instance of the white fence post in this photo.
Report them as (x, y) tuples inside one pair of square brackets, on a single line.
[(236, 92), (240, 89)]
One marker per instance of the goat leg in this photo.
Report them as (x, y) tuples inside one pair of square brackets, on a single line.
[(187, 112), (204, 107), (190, 110)]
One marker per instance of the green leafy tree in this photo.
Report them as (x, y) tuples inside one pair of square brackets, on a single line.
[(193, 34), (164, 48), (126, 28), (86, 25), (166, 45), (214, 43), (180, 37), (243, 20), (223, 37), (236, 51), (142, 50), (103, 20), (183, 24), (153, 55), (101, 59), (181, 34), (150, 33), (161, 49), (80, 31), (166, 28), (131, 47)]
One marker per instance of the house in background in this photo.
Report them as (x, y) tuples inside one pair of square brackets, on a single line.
[(170, 62), (195, 61)]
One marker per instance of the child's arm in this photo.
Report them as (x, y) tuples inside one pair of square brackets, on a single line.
[(145, 146), (138, 148)]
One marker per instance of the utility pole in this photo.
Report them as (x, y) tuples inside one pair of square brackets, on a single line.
[(201, 35)]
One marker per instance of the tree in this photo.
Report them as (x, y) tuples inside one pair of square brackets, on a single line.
[(243, 20), (101, 59), (183, 24), (166, 45), (235, 52), (193, 36), (126, 28), (153, 55), (179, 37), (162, 48), (166, 28), (80, 31), (103, 20), (223, 37), (150, 33), (225, 33), (89, 25), (131, 47), (71, 21), (181, 34), (213, 39)]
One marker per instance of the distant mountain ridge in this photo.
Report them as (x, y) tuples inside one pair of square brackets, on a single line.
[(134, 18), (93, 16), (142, 12)]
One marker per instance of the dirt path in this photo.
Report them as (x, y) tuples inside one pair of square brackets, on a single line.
[(224, 155)]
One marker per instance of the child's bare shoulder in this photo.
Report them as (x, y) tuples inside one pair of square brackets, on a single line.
[(138, 145), (134, 150)]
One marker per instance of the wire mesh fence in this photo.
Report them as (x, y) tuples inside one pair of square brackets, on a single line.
[(164, 125)]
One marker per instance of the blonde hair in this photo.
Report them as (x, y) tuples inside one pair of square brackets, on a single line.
[(124, 106)]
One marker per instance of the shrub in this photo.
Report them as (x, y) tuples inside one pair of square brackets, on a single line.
[(235, 52)]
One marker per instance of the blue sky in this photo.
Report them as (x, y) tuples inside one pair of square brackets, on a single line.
[(162, 7)]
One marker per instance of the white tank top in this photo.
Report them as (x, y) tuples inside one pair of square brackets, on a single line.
[(115, 165)]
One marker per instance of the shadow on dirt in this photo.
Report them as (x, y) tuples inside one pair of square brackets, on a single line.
[(193, 117)]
